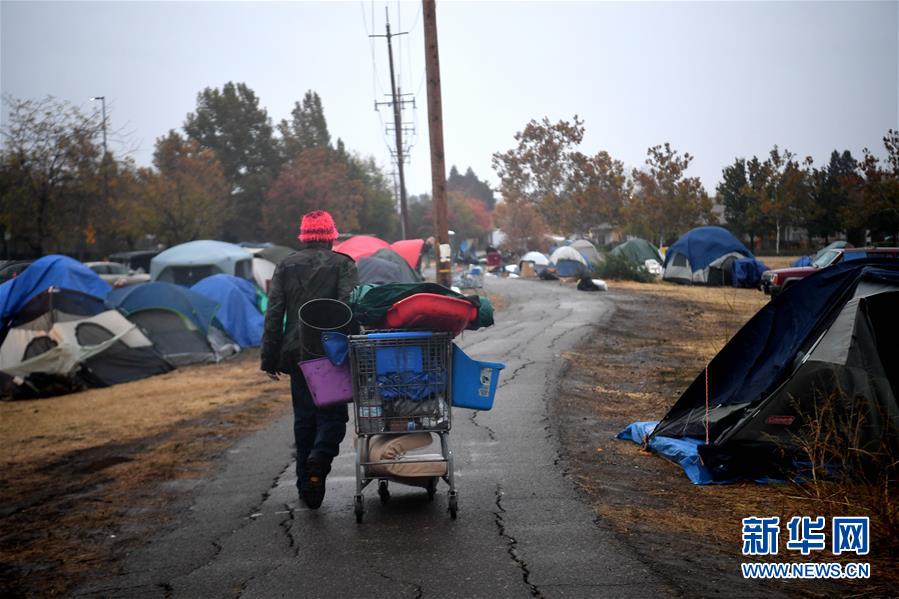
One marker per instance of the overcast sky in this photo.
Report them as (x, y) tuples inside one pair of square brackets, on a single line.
[(716, 79)]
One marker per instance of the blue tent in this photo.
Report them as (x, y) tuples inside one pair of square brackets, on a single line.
[(49, 271), (165, 296), (829, 337), (699, 253), (237, 312)]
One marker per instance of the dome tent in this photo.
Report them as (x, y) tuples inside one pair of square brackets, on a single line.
[(237, 311), (588, 251), (193, 261), (637, 251), (569, 262), (703, 256)]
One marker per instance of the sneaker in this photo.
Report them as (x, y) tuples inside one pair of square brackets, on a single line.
[(312, 487)]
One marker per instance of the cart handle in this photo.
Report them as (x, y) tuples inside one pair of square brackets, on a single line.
[(401, 334)]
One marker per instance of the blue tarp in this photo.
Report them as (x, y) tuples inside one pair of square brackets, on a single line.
[(704, 245), (49, 271), (683, 452), (166, 296), (747, 272), (237, 312), (802, 261)]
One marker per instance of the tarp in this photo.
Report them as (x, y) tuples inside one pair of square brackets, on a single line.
[(193, 261), (802, 261), (360, 246), (49, 271), (198, 309), (371, 302), (237, 310), (409, 249), (637, 251), (747, 272), (682, 452)]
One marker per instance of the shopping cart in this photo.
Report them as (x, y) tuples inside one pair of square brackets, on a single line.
[(402, 382)]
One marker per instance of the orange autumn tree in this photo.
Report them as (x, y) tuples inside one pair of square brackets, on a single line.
[(317, 179)]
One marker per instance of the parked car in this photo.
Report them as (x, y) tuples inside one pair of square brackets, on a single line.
[(10, 269), (775, 281), (117, 275), (137, 260)]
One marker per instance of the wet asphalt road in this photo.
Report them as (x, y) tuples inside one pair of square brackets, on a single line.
[(522, 528)]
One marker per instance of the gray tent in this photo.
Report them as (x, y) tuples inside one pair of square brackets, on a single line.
[(193, 261), (377, 271), (391, 256)]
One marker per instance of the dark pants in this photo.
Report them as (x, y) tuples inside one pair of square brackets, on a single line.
[(317, 431)]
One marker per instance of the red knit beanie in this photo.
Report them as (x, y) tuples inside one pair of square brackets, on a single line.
[(317, 226)]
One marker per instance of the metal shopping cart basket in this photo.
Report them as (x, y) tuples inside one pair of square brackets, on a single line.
[(402, 382)]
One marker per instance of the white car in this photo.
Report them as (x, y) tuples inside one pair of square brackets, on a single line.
[(117, 275)]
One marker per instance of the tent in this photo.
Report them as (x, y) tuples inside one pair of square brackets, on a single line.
[(50, 271), (588, 251), (193, 261), (377, 271), (68, 333), (275, 253), (179, 321), (360, 246), (237, 310), (637, 251), (410, 250), (263, 271), (747, 272), (569, 262), (705, 256), (538, 258), (822, 351), (391, 256)]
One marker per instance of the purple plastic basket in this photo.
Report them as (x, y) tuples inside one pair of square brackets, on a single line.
[(329, 384)]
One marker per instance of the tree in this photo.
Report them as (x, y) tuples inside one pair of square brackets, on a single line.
[(50, 172), (470, 186), (540, 169), (523, 226), (377, 212), (307, 127), (877, 200), (741, 208), (317, 179), (666, 203), (599, 189), (231, 123)]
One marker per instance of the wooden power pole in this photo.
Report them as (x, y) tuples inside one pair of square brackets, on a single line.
[(435, 131)]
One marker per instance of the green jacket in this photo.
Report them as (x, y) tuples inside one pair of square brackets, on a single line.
[(314, 272)]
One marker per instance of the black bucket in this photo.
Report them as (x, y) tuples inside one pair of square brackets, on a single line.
[(319, 316)]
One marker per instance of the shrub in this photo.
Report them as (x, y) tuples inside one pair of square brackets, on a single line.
[(620, 268)]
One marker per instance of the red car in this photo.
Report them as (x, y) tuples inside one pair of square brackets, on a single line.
[(775, 281)]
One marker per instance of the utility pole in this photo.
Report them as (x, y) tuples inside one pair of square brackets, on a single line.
[(398, 126), (105, 170), (435, 131)]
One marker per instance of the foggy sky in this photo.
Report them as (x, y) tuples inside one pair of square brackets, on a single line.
[(716, 79)]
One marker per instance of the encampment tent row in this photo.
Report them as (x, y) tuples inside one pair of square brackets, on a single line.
[(193, 261)]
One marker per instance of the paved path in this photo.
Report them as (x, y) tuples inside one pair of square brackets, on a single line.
[(522, 528)]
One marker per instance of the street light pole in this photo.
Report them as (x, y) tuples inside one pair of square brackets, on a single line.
[(105, 152)]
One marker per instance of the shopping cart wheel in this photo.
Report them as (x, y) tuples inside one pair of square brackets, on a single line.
[(432, 488), (383, 492), (453, 504), (357, 504)]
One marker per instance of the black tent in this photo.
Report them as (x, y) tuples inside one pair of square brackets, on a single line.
[(391, 256), (377, 271), (822, 353)]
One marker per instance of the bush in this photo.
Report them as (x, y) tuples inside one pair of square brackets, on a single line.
[(620, 268)]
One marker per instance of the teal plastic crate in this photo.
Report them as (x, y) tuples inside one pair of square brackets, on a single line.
[(474, 382)]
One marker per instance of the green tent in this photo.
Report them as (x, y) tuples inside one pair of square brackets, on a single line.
[(637, 251)]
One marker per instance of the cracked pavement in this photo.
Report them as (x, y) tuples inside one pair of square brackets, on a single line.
[(523, 530)]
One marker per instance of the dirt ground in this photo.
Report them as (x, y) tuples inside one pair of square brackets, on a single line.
[(653, 346), (80, 470)]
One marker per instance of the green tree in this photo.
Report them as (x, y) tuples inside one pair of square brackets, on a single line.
[(665, 202), (471, 186), (230, 122), (877, 199), (377, 213), (51, 174), (740, 205), (307, 127)]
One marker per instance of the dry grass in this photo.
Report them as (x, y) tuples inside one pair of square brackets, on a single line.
[(78, 467), (658, 340)]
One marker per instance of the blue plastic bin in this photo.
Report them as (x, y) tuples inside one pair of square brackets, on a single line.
[(474, 382)]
